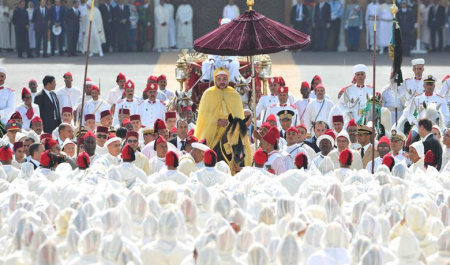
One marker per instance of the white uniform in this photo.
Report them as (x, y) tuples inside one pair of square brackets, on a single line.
[(370, 21), (231, 11), (275, 108), (353, 101), (229, 62), (318, 110), (417, 105), (184, 15), (132, 105), (290, 152), (276, 162), (7, 103), (22, 109), (301, 105), (169, 94), (265, 102), (150, 111), (113, 95), (445, 91), (157, 164), (68, 97), (95, 107), (388, 101), (409, 89), (384, 31)]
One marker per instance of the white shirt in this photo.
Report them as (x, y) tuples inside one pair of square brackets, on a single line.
[(169, 94), (409, 89), (7, 103), (67, 97), (125, 104), (113, 95), (274, 109), (276, 162), (22, 109), (301, 106), (318, 110), (95, 107), (150, 111), (265, 102)]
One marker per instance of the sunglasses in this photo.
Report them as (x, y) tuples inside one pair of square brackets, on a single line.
[(102, 136), (132, 141)]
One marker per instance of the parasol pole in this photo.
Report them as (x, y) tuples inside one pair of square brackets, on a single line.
[(373, 82), (85, 73), (252, 61)]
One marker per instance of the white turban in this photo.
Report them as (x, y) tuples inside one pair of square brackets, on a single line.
[(419, 148)]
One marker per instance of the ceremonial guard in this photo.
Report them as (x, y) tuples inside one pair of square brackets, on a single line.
[(364, 139), (126, 172), (371, 11), (162, 85), (269, 143), (151, 109), (283, 104), (268, 100), (116, 93), (414, 85), (318, 109), (392, 102), (292, 148), (445, 89), (7, 98), (68, 94), (96, 105), (354, 99), (302, 103), (129, 102), (27, 109)]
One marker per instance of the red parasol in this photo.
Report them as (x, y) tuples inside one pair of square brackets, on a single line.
[(250, 34)]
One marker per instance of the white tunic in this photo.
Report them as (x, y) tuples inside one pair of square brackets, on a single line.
[(171, 175), (95, 107), (172, 36), (388, 101), (7, 103), (161, 32), (353, 101), (209, 176), (265, 102), (445, 90), (97, 33), (409, 89), (417, 105), (113, 95), (167, 93), (22, 109), (231, 11), (68, 96), (290, 152), (127, 173), (301, 105), (370, 20), (150, 111), (318, 110), (276, 162), (274, 109), (385, 30), (4, 27), (157, 164), (132, 105), (184, 31)]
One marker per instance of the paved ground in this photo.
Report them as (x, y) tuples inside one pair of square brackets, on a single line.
[(334, 68)]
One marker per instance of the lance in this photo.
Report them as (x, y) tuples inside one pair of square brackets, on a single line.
[(85, 73), (373, 96)]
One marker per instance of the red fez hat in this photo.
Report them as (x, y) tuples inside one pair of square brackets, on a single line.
[(151, 86), (129, 84), (292, 129), (191, 132), (388, 160), (316, 77), (152, 78), (305, 84), (171, 114), (128, 154), (274, 80), (89, 134), (159, 125), (283, 89), (186, 108), (272, 135), (102, 129), (385, 140), (172, 159), (16, 116), (266, 125), (110, 136), (320, 86), (35, 119), (124, 111), (94, 87), (301, 160), (17, 145), (159, 140), (281, 81), (330, 133), (161, 77), (132, 134), (49, 143), (271, 118), (301, 126), (445, 78), (346, 157), (126, 122), (260, 157), (45, 136), (67, 109), (174, 130), (120, 76), (83, 160), (67, 74), (89, 117), (105, 113), (45, 159), (429, 158), (210, 158), (6, 153), (352, 123), (25, 91), (135, 117), (191, 139), (338, 118)]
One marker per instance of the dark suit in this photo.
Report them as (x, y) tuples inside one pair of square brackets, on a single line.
[(436, 23), (322, 17), (50, 114), (107, 18), (406, 21), (431, 143), (72, 21), (302, 25), (20, 21), (312, 142), (174, 141), (41, 24), (122, 29), (58, 17)]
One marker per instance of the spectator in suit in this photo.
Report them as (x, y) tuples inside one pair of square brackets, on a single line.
[(72, 21), (121, 19), (107, 16), (41, 19), (21, 25), (436, 23), (48, 105), (353, 24), (321, 25), (430, 142), (57, 19), (406, 21), (180, 140), (447, 26), (300, 17), (337, 10)]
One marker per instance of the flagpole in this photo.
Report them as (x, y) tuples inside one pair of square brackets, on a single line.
[(85, 73), (373, 82)]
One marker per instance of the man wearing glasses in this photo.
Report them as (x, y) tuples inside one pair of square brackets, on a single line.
[(141, 161), (102, 135)]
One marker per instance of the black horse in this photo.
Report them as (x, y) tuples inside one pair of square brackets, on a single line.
[(231, 147)]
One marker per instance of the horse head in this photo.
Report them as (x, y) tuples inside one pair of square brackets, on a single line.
[(431, 111), (242, 84), (235, 133)]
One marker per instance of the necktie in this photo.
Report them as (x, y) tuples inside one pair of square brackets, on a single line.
[(57, 13), (57, 116), (299, 15), (183, 145), (362, 152), (42, 11)]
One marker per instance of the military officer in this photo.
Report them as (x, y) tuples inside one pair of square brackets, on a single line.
[(7, 98), (413, 85), (268, 100), (282, 105), (151, 109), (129, 102)]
